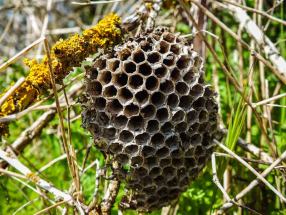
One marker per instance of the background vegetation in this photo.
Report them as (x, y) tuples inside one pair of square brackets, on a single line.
[(22, 22)]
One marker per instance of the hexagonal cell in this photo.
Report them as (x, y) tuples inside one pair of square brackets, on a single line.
[(151, 161), (173, 141), (164, 47), (173, 183), (181, 127), (162, 114), (146, 46), (100, 63), (109, 133), (206, 139), (186, 102), (152, 126), (100, 103), (131, 149), (152, 83), (142, 138), (169, 37), (145, 69), (208, 91), (161, 71), (153, 57), (159, 180), (122, 158), (113, 64), (105, 77), (167, 128), (184, 182), (162, 152), (169, 172), (138, 56), (190, 162), (162, 192), (185, 140), (126, 136), (203, 116), (167, 86), (202, 159), (183, 62), (174, 192), (175, 48), (158, 99), (175, 74), (92, 73), (178, 116), (135, 81), (193, 172), (173, 100), (120, 79), (94, 88), (114, 106), (146, 181), (175, 153), (177, 162), (199, 103), (95, 129), (115, 148), (165, 162), (136, 161), (148, 150), (189, 77), (196, 139), (124, 54), (192, 116), (197, 61), (197, 90), (199, 151), (110, 91), (142, 96), (211, 105), (178, 40), (195, 127), (205, 126), (124, 95), (169, 60), (131, 110), (120, 121), (138, 187), (151, 199), (148, 111), (155, 171), (102, 118), (129, 66), (157, 139), (182, 88), (136, 123)]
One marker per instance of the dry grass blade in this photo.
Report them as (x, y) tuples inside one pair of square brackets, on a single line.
[(20, 54), (259, 176), (11, 90), (95, 2), (255, 182)]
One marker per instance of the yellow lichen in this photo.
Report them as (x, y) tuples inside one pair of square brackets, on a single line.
[(65, 55), (33, 177)]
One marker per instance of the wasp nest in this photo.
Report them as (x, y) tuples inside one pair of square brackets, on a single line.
[(148, 100)]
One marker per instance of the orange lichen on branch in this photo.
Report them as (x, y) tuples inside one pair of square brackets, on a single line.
[(65, 55)]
